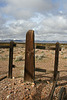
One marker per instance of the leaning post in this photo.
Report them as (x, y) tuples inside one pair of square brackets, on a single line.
[(56, 60), (29, 72), (10, 59)]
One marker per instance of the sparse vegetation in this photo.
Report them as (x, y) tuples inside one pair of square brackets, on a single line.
[(2, 58), (53, 53), (36, 50), (42, 52), (40, 57), (1, 51), (61, 53), (65, 57), (65, 66), (45, 60), (19, 58)]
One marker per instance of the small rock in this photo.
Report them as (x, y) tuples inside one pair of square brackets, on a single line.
[(33, 84), (11, 92), (27, 83), (5, 87), (30, 97), (14, 92), (13, 77), (26, 89), (9, 84), (14, 83), (22, 84), (39, 80), (29, 89), (8, 96), (48, 82), (20, 81)]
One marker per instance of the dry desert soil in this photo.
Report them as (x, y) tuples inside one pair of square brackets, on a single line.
[(17, 89)]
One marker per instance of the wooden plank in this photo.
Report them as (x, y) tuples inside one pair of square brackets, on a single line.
[(3, 78), (10, 59), (40, 47), (6, 45), (62, 94), (48, 48), (29, 57), (56, 60), (50, 97)]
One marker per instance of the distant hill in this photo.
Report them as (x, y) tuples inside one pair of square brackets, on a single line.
[(37, 41)]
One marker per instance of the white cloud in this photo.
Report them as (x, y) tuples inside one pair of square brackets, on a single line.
[(48, 28), (19, 16), (27, 8)]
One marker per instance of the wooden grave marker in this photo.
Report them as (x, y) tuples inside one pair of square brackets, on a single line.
[(29, 73)]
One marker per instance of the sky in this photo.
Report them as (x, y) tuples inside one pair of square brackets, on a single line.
[(48, 19)]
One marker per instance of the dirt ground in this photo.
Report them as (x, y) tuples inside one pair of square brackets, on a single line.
[(17, 89)]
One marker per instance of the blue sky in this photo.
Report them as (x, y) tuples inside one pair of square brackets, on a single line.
[(48, 19)]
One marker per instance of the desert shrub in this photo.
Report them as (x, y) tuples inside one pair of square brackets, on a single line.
[(65, 57), (2, 58), (19, 58), (65, 66), (40, 57)]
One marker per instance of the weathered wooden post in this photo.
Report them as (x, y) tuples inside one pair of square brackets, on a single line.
[(29, 73), (10, 59), (56, 60)]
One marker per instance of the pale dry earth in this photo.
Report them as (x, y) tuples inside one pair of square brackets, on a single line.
[(17, 89)]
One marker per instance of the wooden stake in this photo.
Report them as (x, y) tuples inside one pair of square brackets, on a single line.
[(56, 60), (10, 59)]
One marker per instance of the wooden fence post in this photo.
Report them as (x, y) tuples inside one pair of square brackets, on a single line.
[(10, 59), (29, 73), (56, 60)]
